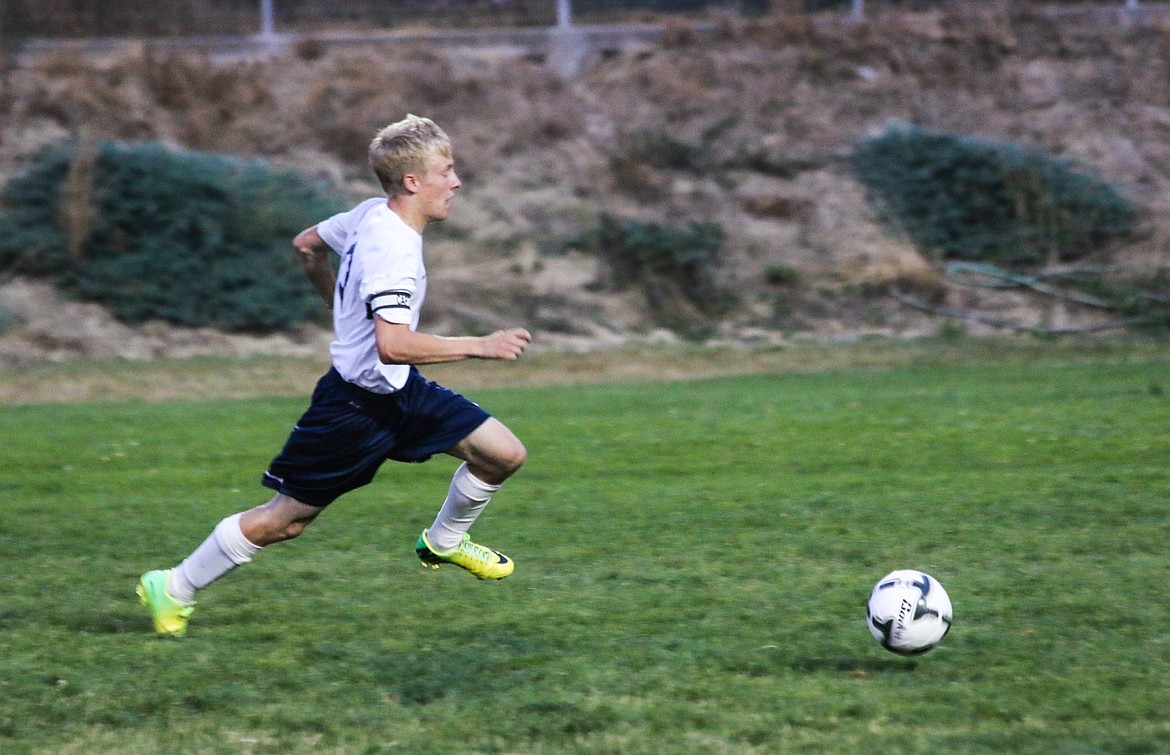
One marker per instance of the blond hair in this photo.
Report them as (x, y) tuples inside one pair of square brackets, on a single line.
[(403, 147)]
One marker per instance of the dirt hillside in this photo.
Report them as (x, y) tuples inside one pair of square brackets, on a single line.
[(546, 143)]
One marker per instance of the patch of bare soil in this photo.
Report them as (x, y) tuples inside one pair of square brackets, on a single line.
[(41, 326), (769, 109)]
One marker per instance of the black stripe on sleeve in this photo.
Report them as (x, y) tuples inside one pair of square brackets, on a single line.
[(395, 299)]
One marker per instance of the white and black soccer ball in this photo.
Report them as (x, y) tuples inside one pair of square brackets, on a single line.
[(908, 612)]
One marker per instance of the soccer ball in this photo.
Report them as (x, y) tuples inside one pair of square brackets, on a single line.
[(908, 612)]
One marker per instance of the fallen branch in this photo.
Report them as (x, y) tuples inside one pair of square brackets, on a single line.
[(983, 275), (965, 314)]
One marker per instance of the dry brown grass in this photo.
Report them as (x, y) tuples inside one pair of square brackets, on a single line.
[(212, 378)]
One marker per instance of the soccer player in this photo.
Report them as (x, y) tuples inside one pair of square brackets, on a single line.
[(372, 404)]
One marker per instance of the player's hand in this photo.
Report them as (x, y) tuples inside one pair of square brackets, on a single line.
[(506, 344)]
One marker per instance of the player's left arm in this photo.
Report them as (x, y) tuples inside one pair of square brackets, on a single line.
[(312, 254)]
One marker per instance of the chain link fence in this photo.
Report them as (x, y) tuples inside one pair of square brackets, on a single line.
[(190, 18)]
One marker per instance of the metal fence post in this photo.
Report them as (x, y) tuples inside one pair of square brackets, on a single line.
[(564, 14), (267, 19), (857, 12)]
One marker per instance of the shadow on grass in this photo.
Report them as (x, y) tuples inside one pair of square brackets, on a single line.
[(109, 623), (856, 665)]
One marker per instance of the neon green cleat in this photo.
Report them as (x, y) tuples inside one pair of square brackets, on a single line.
[(480, 560), (170, 618)]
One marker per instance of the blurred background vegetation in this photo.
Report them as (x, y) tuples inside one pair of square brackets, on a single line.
[(156, 234), (736, 173), (973, 199)]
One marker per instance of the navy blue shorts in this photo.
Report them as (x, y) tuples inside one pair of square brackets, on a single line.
[(347, 432)]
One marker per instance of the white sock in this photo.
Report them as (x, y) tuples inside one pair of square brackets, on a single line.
[(466, 498), (223, 550)]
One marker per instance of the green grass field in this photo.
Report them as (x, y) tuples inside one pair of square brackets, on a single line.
[(693, 563)]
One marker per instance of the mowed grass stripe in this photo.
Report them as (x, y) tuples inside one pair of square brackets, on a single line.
[(693, 564)]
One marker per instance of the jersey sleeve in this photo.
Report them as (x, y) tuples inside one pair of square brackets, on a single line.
[(391, 279), (336, 230)]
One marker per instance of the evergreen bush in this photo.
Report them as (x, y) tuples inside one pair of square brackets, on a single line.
[(673, 265), (661, 150), (970, 199), (189, 238)]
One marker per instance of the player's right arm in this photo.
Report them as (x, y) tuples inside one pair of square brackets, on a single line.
[(398, 344), (313, 256)]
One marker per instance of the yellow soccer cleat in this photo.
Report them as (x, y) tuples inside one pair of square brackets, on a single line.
[(170, 618), (480, 560)]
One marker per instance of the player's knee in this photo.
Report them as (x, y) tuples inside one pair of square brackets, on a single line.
[(517, 457), (269, 527), (294, 529), (508, 459)]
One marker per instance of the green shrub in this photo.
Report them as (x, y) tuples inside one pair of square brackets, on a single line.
[(661, 150), (674, 266), (780, 274), (189, 238), (970, 199), (10, 319)]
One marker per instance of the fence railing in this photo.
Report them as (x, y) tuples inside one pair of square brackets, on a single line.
[(857, 7)]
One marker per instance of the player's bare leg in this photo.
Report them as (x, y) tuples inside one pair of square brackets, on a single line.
[(491, 454), (170, 594)]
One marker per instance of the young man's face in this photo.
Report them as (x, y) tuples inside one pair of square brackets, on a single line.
[(437, 186)]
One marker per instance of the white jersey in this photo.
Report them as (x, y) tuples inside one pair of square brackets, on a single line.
[(381, 275)]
